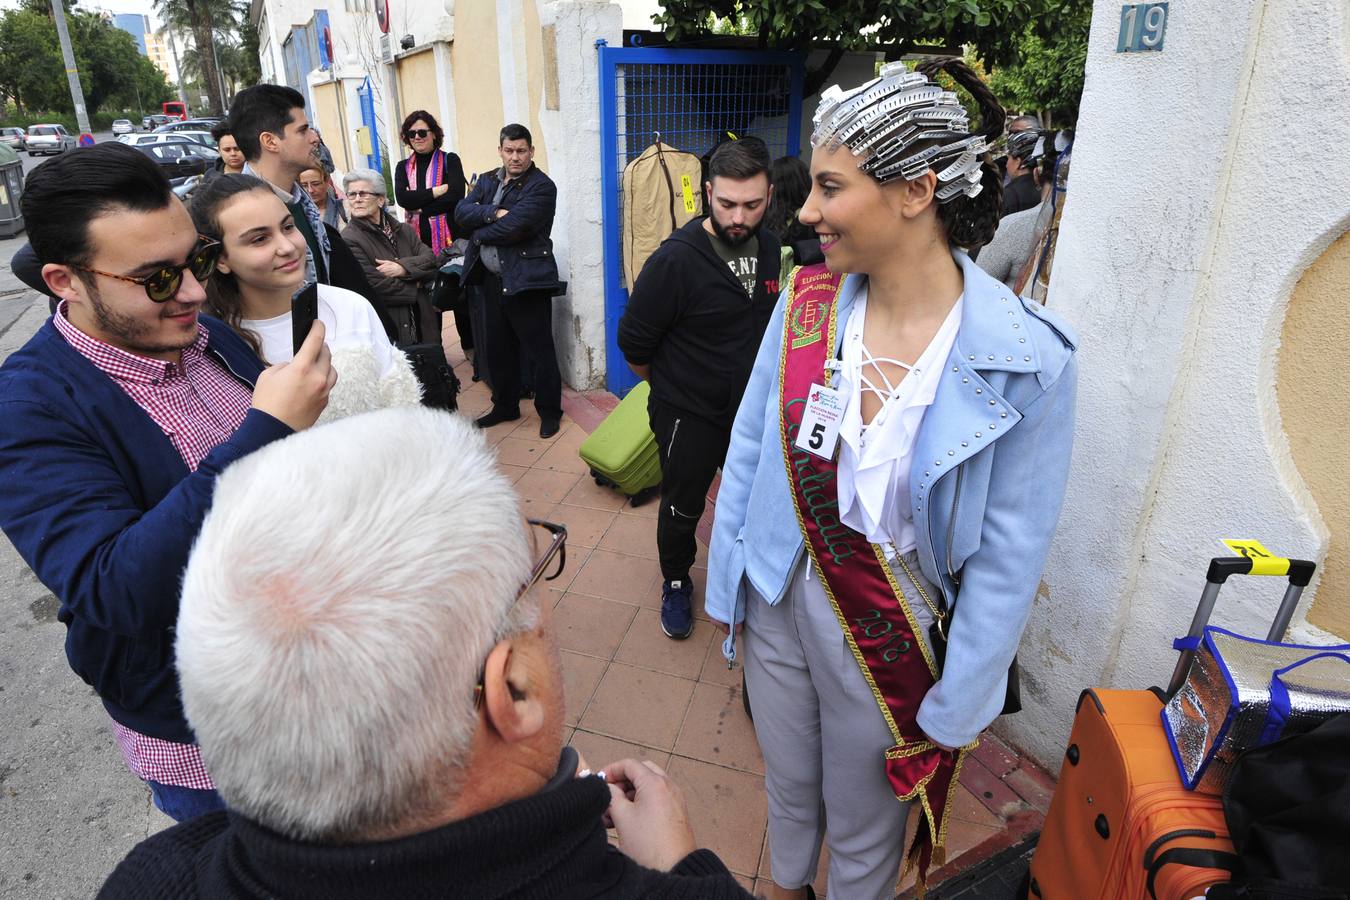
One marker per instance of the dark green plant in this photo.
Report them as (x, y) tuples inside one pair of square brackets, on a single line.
[(113, 72), (990, 26), (1047, 76)]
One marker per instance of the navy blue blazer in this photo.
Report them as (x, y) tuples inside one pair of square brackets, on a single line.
[(99, 503), (521, 238)]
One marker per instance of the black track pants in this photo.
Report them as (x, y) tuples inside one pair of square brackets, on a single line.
[(691, 452)]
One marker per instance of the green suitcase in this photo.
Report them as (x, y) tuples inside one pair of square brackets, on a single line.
[(622, 451)]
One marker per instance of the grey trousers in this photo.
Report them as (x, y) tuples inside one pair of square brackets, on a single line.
[(824, 742)]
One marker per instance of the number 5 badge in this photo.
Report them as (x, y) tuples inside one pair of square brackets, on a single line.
[(819, 434)]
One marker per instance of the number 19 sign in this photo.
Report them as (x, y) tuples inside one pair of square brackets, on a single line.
[(1142, 26)]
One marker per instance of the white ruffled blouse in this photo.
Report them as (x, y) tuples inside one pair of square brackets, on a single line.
[(874, 459)]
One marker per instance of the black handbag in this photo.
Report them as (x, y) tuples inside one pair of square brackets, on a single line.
[(440, 385), (1012, 698), (937, 638)]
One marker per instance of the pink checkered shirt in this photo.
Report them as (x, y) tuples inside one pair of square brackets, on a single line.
[(197, 404)]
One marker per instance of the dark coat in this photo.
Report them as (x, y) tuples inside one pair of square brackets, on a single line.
[(101, 506), (1020, 193), (521, 237), (368, 243), (549, 846)]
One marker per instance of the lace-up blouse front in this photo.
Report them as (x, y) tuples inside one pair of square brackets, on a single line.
[(874, 459)]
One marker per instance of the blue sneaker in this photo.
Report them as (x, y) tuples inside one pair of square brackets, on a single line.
[(677, 613)]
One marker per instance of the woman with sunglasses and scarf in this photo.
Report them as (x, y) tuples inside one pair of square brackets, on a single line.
[(428, 184), (261, 267)]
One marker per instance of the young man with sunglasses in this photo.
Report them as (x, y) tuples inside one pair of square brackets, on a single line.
[(386, 719), (115, 419)]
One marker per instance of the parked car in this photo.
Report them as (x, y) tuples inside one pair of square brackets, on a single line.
[(122, 126), (46, 139), (203, 123), (180, 160), (14, 138), (154, 138), (154, 120), (201, 137)]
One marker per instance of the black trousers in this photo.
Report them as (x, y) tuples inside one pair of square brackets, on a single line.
[(691, 451), (521, 322), (455, 299)]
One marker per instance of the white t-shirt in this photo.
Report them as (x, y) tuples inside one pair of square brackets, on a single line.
[(348, 319), (874, 460)]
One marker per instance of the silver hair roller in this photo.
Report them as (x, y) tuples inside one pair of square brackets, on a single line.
[(884, 119)]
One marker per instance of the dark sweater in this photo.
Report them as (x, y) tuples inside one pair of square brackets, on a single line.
[(550, 846), (101, 506), (690, 319), (1020, 193), (415, 197)]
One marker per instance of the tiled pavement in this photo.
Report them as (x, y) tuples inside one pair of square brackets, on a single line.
[(633, 692)]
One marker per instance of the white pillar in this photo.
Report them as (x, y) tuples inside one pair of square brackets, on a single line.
[(1205, 179), (572, 135)]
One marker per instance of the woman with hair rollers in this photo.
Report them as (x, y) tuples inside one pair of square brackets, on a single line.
[(914, 418)]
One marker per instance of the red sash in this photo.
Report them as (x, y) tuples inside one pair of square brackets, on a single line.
[(870, 606)]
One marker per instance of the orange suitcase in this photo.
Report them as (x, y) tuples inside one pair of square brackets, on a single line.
[(1121, 825)]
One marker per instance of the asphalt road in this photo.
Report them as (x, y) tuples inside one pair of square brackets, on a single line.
[(32, 162), (69, 809)]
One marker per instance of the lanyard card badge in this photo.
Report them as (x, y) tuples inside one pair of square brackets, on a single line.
[(819, 432)]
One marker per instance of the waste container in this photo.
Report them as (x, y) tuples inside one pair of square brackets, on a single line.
[(11, 187)]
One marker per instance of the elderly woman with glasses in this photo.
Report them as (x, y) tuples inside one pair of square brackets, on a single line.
[(400, 267)]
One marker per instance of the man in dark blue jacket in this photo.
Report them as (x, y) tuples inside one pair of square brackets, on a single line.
[(508, 218), (115, 419)]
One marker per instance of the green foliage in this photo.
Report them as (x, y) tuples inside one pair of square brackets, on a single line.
[(991, 26), (9, 118), (1036, 48), (1047, 76), (113, 72), (31, 71)]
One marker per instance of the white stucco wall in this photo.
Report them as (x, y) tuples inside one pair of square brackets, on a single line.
[(1202, 186), (637, 14), (572, 135)]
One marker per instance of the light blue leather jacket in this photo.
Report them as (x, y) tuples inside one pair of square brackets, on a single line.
[(987, 480)]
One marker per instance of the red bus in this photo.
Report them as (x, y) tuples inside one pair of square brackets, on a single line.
[(176, 109)]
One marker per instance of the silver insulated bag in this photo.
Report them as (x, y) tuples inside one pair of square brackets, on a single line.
[(1232, 693)]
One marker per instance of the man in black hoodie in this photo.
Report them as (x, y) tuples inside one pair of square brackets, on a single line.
[(692, 328)]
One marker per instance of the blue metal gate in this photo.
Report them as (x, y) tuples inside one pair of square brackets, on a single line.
[(691, 97), (366, 95)]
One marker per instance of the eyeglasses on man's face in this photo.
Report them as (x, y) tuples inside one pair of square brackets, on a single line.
[(162, 285), (554, 554)]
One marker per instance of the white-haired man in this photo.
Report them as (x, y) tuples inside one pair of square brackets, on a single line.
[(378, 693)]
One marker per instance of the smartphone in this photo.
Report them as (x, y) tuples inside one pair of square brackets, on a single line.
[(304, 310)]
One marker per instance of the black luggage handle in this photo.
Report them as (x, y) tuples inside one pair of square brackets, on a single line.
[(1221, 568)]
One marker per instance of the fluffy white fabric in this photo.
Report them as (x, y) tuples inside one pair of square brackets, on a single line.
[(361, 388)]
